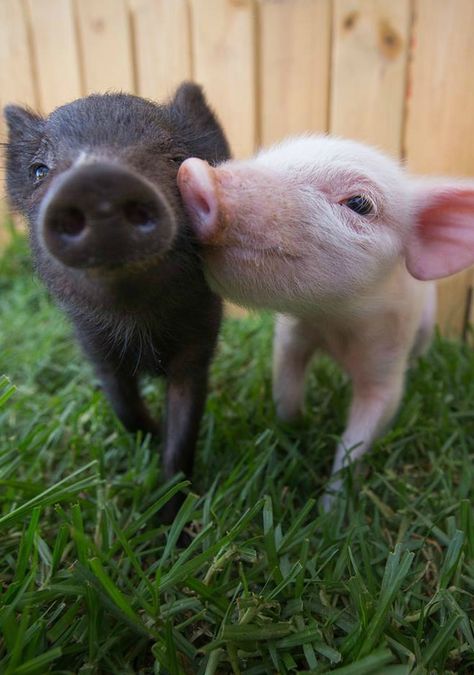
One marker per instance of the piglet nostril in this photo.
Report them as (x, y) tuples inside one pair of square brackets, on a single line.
[(140, 216), (203, 205), (69, 222), (196, 182)]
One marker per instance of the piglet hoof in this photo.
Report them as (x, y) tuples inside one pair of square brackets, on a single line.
[(331, 495), (146, 425), (288, 414), (170, 510), (167, 515), (153, 428), (327, 501)]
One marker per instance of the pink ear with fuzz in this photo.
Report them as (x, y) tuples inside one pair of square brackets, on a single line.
[(442, 240)]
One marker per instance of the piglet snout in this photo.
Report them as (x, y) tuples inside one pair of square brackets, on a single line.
[(101, 215), (196, 182)]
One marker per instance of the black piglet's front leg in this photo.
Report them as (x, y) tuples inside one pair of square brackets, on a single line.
[(118, 380), (122, 391), (185, 400)]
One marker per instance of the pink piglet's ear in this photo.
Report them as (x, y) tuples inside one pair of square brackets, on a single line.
[(442, 240)]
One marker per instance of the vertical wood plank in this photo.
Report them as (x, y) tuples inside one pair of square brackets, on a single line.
[(56, 57), (105, 45), (370, 47), (295, 38), (440, 122), (223, 33), (16, 76), (162, 46)]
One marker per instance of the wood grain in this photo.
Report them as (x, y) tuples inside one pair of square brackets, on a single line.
[(368, 79), (440, 121), (162, 46), (55, 53), (294, 38), (224, 63), (105, 45), (16, 76)]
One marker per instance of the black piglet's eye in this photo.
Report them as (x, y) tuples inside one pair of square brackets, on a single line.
[(39, 171), (360, 204)]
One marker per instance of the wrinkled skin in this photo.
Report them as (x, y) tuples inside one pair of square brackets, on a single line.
[(135, 309), (283, 231)]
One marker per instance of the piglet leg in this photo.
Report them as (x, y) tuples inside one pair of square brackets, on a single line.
[(293, 346), (185, 399), (120, 386), (374, 404), (124, 396)]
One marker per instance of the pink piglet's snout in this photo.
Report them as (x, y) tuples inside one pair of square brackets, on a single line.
[(197, 184)]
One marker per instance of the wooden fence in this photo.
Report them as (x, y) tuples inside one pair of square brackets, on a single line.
[(396, 73)]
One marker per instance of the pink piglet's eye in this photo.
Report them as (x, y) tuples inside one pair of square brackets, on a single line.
[(360, 204)]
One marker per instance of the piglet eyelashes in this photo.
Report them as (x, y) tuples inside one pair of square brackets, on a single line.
[(361, 204)]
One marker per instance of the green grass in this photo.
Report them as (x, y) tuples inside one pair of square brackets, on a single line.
[(91, 582)]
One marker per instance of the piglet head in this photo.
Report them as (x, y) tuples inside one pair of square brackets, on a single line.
[(305, 223), (316, 221)]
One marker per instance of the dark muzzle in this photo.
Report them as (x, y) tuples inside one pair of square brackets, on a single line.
[(101, 215)]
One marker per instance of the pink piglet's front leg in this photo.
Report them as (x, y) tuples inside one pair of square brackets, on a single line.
[(294, 344), (373, 406), (377, 371)]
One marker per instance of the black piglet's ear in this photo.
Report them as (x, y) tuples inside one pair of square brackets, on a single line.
[(199, 125), (22, 123), (189, 98)]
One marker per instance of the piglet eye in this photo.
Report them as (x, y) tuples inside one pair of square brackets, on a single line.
[(360, 204), (39, 171)]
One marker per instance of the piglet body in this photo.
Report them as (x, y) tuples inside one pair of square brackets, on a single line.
[(96, 181), (335, 237)]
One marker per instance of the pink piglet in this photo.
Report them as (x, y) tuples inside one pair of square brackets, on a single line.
[(341, 242)]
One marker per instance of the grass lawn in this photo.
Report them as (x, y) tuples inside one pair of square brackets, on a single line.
[(90, 582)]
